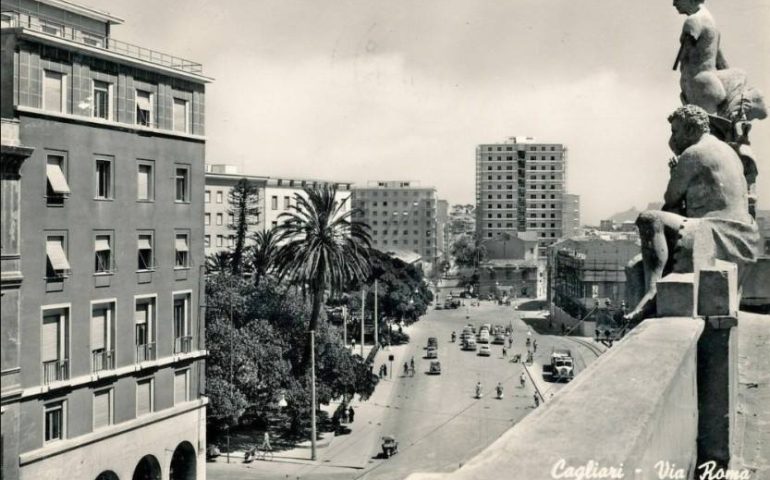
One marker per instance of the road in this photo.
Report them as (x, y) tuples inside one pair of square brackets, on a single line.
[(436, 419)]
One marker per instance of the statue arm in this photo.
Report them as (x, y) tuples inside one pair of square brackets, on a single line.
[(681, 176), (721, 62)]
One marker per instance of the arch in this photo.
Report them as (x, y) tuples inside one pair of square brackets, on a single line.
[(107, 475), (148, 468), (183, 463)]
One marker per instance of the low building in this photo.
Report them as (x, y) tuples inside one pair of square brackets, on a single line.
[(512, 267)]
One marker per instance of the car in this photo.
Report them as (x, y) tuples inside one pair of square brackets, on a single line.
[(432, 353), (435, 368), (432, 342), (484, 336), (499, 339), (439, 306), (470, 344), (484, 351)]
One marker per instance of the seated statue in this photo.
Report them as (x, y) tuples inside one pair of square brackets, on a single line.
[(706, 80), (705, 211)]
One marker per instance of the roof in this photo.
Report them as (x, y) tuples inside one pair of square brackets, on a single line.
[(83, 10), (506, 263), (407, 256)]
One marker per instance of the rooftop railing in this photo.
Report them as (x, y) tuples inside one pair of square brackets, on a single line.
[(55, 28)]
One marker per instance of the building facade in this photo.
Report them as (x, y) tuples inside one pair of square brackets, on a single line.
[(442, 220), (512, 267), (275, 196), (570, 215), (402, 216), (103, 353), (520, 186)]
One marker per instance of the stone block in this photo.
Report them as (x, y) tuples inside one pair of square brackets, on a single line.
[(718, 290), (756, 284), (676, 295)]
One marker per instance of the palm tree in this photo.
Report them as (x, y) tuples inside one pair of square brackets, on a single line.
[(219, 262), (321, 249), (263, 253)]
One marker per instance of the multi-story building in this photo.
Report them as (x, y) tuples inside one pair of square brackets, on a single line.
[(274, 197), (401, 214), (520, 185), (442, 219), (512, 267), (589, 269), (570, 215), (102, 363)]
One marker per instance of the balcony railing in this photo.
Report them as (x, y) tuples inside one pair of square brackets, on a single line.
[(145, 352), (54, 28), (103, 359), (55, 371), (183, 344)]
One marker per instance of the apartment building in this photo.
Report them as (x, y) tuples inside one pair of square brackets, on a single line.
[(103, 151), (520, 186), (570, 215), (402, 216), (275, 196)]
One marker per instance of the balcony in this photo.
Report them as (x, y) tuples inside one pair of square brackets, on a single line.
[(145, 352), (55, 371), (103, 360), (183, 344), (19, 18)]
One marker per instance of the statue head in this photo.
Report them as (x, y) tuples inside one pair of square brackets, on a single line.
[(688, 124), (687, 7)]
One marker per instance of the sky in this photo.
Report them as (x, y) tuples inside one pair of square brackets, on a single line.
[(365, 90)]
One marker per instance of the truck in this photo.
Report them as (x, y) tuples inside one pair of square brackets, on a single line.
[(562, 365)]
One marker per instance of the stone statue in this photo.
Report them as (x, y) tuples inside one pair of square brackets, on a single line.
[(706, 79), (705, 215)]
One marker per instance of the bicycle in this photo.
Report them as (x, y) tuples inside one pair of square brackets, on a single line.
[(258, 453)]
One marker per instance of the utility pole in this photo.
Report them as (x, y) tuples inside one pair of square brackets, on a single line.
[(363, 311), (345, 326), (376, 318)]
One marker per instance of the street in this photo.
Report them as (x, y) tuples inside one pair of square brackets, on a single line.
[(435, 418)]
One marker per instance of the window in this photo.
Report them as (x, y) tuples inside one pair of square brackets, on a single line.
[(144, 329), (182, 337), (144, 252), (144, 111), (207, 196), (207, 219), (286, 203), (145, 185), (102, 408), (102, 336), (180, 115), (182, 386), (144, 397), (54, 422), (102, 254), (219, 240), (182, 184), (207, 241), (230, 219), (182, 248), (231, 241), (54, 344), (56, 185), (54, 91), (102, 93), (274, 202), (219, 196), (57, 265), (103, 178), (219, 218), (93, 39)]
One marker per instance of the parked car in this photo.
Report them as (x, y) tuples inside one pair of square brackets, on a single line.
[(432, 352), (484, 336), (470, 344), (432, 342), (435, 368), (485, 351), (499, 339)]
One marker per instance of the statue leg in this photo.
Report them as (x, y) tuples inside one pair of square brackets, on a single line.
[(657, 230), (707, 91)]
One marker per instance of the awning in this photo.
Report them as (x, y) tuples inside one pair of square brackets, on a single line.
[(102, 244), (181, 244), (56, 255), (142, 312), (143, 102), (56, 178), (144, 243)]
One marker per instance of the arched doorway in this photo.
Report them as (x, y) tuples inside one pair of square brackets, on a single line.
[(107, 475), (148, 468), (183, 462)]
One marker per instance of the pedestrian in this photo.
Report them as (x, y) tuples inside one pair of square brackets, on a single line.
[(563, 329), (505, 352), (534, 346), (384, 370), (353, 343), (406, 369), (411, 363), (351, 414), (381, 370), (537, 400)]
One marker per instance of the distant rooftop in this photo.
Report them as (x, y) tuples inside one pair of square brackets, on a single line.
[(394, 184)]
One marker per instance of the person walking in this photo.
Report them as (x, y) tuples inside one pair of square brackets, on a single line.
[(406, 369), (351, 413), (534, 346), (411, 363), (522, 380), (505, 352), (384, 370)]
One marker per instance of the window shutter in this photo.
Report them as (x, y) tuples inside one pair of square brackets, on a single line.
[(143, 397), (181, 243), (143, 182), (55, 175), (180, 386), (98, 320), (143, 100), (54, 247), (50, 343), (141, 313), (102, 409)]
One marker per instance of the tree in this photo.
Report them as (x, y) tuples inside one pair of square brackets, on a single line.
[(467, 252), (218, 262), (262, 254), (244, 208), (323, 250)]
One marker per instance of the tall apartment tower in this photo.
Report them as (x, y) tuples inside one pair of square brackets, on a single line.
[(402, 216), (102, 225), (519, 187), (571, 215)]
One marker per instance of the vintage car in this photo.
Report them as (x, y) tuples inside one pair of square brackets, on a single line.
[(484, 351), (432, 352), (435, 368), (389, 446)]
